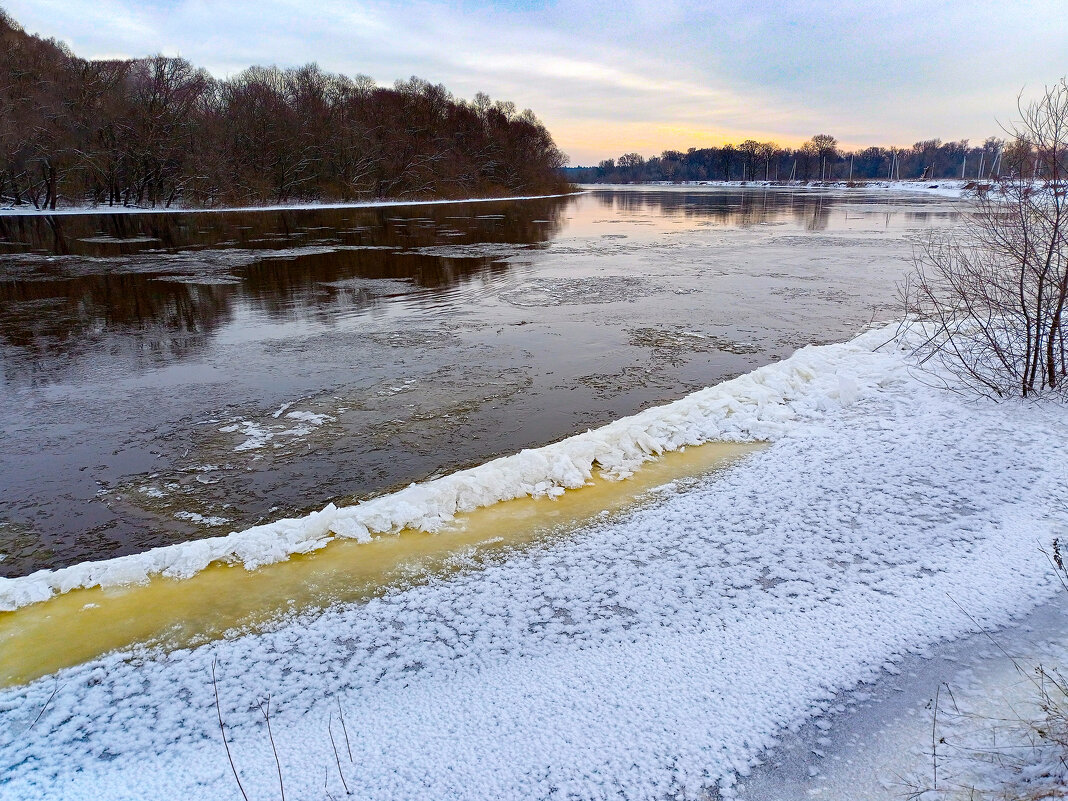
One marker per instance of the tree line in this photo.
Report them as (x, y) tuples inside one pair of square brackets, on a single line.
[(160, 132), (821, 158)]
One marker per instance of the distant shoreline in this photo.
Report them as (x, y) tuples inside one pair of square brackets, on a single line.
[(950, 187)]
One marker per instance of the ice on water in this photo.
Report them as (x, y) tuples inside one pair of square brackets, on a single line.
[(654, 655)]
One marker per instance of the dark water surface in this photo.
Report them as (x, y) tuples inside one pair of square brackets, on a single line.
[(172, 376)]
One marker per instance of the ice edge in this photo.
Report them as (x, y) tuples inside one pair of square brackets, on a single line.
[(756, 406)]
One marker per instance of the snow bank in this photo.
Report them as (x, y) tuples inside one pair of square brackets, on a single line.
[(75, 210), (942, 187), (757, 406), (651, 656)]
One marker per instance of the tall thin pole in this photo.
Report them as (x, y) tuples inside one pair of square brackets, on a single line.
[(964, 166), (850, 168)]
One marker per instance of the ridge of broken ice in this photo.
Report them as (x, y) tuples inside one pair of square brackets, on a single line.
[(757, 406)]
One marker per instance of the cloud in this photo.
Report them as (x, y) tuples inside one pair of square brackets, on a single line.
[(657, 75)]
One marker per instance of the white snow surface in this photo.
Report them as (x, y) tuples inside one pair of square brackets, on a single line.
[(16, 211), (652, 655), (942, 187)]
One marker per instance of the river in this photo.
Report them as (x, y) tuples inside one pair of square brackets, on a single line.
[(167, 377)]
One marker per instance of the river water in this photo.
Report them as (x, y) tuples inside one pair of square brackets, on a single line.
[(173, 376)]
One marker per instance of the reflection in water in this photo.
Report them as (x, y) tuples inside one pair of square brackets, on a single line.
[(47, 324), (811, 210), (155, 286), (173, 376)]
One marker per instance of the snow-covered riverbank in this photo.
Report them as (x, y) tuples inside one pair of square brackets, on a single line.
[(28, 210), (662, 652), (941, 187), (948, 188)]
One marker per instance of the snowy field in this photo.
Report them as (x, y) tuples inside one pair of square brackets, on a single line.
[(654, 655)]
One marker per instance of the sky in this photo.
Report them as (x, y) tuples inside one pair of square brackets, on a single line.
[(609, 77)]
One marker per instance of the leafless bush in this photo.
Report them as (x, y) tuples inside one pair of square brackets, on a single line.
[(265, 710), (1016, 757), (990, 300)]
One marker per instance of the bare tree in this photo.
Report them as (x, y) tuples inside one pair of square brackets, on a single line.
[(158, 132), (806, 156), (991, 299), (766, 151), (726, 156), (748, 150), (826, 148)]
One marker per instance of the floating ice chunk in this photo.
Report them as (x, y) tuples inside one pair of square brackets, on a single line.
[(256, 435), (104, 239), (311, 417), (194, 517), (282, 409)]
